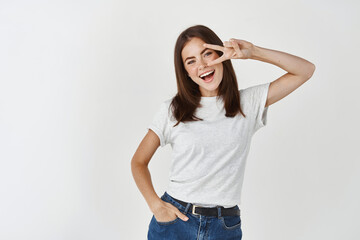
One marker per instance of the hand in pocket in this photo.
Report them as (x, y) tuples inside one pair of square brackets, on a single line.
[(167, 213)]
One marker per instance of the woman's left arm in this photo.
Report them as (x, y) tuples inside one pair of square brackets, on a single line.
[(290, 63), (298, 69)]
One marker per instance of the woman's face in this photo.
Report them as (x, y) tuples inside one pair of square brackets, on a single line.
[(195, 57)]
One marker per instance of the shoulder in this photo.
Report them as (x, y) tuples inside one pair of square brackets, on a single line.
[(252, 93), (166, 104), (251, 98), (246, 94), (165, 108), (243, 93)]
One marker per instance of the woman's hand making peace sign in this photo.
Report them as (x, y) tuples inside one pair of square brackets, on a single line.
[(233, 49)]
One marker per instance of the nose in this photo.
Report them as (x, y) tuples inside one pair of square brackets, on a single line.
[(202, 64)]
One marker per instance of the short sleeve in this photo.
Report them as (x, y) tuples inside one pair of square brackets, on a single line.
[(256, 97), (160, 124)]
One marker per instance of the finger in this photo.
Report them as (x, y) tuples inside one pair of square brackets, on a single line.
[(181, 215), (216, 61), (242, 42), (237, 48), (213, 46), (239, 41), (227, 44)]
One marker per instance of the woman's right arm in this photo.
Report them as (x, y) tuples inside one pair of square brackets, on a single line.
[(142, 177)]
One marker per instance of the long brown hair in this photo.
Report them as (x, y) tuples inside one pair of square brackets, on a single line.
[(188, 97)]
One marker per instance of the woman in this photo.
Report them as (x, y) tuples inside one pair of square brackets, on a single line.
[(209, 123)]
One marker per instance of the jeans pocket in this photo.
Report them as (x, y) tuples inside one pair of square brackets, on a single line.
[(231, 222), (166, 223), (165, 199)]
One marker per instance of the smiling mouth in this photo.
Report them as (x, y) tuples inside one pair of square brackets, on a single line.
[(208, 77)]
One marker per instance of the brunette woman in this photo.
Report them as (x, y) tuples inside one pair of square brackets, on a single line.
[(209, 124)]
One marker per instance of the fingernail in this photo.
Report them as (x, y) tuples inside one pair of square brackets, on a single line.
[(186, 218)]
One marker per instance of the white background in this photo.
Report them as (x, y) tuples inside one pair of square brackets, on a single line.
[(81, 80)]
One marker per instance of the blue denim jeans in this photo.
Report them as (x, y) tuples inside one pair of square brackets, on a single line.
[(198, 227)]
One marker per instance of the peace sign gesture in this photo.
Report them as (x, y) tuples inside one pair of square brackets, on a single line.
[(233, 49)]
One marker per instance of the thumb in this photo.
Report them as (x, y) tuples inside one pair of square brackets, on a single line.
[(181, 215)]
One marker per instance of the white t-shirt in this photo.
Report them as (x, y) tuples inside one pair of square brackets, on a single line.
[(209, 157)]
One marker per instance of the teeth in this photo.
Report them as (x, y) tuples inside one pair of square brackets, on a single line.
[(205, 74)]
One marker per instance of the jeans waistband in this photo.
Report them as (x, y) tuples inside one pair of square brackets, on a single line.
[(185, 207)]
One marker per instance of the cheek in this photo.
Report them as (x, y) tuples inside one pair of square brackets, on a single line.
[(191, 71), (220, 71)]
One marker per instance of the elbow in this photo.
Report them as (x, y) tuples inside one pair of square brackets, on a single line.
[(310, 70), (139, 162), (136, 167)]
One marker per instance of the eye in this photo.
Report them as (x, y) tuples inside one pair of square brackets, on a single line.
[(190, 62), (208, 53)]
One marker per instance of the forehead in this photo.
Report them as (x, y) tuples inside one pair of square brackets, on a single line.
[(192, 48)]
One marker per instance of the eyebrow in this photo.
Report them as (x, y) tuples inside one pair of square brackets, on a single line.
[(194, 57)]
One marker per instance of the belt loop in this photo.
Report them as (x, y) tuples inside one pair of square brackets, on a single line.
[(187, 207), (219, 211)]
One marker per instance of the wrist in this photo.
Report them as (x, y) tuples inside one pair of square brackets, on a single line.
[(256, 53), (155, 204)]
